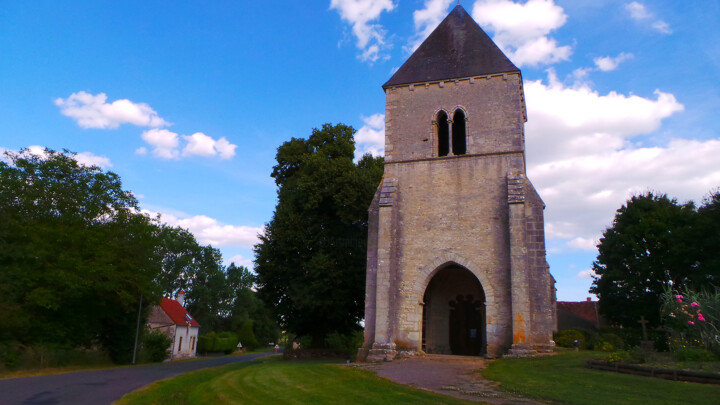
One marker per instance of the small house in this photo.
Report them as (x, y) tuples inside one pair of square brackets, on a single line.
[(172, 318)]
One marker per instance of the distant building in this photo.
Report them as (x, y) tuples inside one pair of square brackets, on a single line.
[(579, 315), (172, 319)]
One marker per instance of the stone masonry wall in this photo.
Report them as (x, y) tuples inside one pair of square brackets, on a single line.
[(433, 211)]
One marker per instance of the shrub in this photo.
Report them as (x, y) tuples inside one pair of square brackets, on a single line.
[(247, 336), (608, 342), (695, 316), (155, 345), (568, 337), (206, 344), (226, 342)]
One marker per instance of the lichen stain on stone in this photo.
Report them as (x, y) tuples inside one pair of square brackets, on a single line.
[(519, 329)]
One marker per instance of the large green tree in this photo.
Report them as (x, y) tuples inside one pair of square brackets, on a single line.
[(311, 260), (652, 244), (75, 254)]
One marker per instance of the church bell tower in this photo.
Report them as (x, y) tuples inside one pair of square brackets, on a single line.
[(456, 247)]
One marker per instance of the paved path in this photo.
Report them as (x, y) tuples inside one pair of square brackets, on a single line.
[(97, 387), (446, 375)]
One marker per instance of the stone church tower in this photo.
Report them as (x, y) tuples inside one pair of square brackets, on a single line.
[(456, 248)]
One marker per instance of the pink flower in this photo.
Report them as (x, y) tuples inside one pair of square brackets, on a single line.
[(694, 304), (679, 298), (701, 317), (691, 322)]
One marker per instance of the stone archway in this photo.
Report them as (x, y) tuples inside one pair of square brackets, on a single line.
[(454, 316)]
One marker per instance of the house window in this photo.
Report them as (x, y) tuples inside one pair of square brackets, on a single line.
[(443, 133), (458, 133), (180, 344), (192, 343)]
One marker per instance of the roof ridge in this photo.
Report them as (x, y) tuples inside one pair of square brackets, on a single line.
[(457, 48)]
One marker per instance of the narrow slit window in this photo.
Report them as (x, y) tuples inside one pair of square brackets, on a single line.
[(458, 133), (443, 132)]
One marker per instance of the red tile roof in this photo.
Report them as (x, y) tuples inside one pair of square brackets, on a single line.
[(584, 309), (177, 313)]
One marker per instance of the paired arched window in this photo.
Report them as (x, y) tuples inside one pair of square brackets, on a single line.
[(455, 140), (458, 133), (443, 131)]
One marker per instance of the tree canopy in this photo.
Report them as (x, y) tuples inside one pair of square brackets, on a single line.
[(654, 243), (311, 260), (75, 254)]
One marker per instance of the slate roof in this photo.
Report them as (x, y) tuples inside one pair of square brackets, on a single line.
[(457, 48), (177, 313)]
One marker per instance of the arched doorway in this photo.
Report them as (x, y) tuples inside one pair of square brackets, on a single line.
[(454, 313)]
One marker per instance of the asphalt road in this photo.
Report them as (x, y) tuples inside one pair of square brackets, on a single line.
[(97, 387)]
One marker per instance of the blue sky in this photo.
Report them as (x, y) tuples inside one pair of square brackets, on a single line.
[(188, 101)]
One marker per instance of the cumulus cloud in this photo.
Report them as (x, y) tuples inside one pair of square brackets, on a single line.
[(639, 12), (166, 145), (83, 158), (370, 138), (580, 122), (93, 111), (583, 158), (583, 243), (589, 274), (90, 159), (361, 14), (608, 63), (426, 20), (210, 231), (522, 29), (240, 260)]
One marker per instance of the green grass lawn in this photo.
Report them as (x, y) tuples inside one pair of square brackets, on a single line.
[(563, 378), (273, 381)]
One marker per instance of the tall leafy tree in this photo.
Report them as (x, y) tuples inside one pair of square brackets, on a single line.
[(651, 245), (708, 239), (75, 254), (311, 260)]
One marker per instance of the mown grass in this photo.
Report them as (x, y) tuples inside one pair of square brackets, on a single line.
[(273, 381), (564, 379)]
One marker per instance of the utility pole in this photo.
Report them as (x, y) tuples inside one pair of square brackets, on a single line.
[(137, 330)]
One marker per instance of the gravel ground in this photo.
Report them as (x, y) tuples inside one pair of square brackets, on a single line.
[(446, 375)]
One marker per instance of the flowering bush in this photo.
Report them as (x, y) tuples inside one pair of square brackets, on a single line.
[(695, 318)]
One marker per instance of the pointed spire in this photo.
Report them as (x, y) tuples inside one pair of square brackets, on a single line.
[(457, 48)]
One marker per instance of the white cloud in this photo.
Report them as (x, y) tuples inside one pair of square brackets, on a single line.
[(426, 20), (588, 274), (578, 121), (662, 26), (521, 29), (203, 145), (166, 145), (164, 142), (360, 14), (608, 63), (83, 158), (371, 136), (240, 260), (583, 243), (90, 159), (583, 161), (91, 111), (639, 12), (210, 231)]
